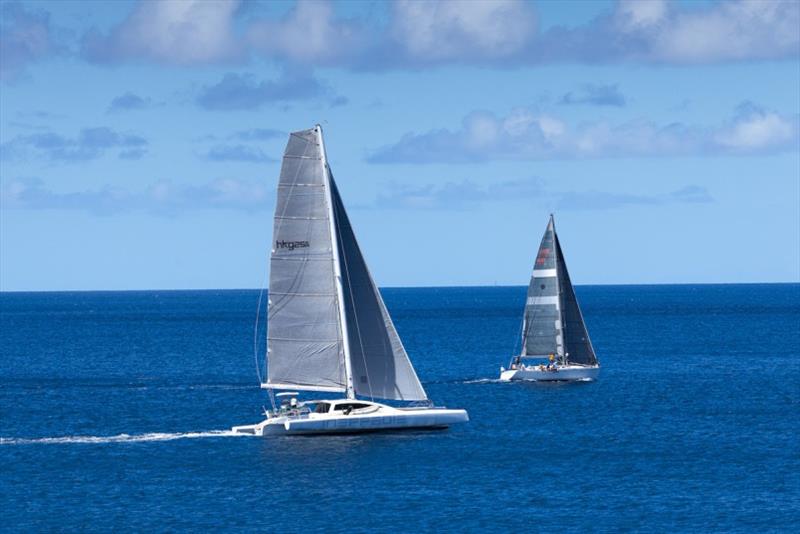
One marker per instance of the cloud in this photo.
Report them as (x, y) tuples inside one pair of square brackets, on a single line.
[(415, 35), (455, 195), (662, 31), (467, 195), (309, 33), (528, 135), (243, 91), (727, 31), (339, 101), (25, 37), (189, 32), (238, 153), (754, 129), (595, 95), (241, 146), (599, 200), (462, 31), (163, 197), (128, 102), (256, 134), (452, 195), (90, 143)]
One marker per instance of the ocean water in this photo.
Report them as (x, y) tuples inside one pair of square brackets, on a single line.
[(114, 408)]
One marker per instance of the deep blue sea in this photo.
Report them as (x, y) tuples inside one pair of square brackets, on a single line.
[(113, 407)]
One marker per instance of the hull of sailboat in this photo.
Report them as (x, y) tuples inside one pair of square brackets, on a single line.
[(384, 418), (567, 373)]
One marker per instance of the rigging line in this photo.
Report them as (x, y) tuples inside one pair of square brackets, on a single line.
[(522, 326), (352, 298), (561, 316), (255, 329)]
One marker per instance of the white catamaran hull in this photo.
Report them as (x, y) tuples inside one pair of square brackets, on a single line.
[(376, 418), (565, 373)]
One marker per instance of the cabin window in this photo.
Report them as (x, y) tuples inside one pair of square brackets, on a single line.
[(352, 405), (322, 407)]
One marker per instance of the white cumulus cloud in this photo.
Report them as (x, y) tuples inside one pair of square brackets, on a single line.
[(463, 29), (169, 31), (526, 134)]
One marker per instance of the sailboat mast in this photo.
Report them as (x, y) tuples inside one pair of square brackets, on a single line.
[(337, 268), (559, 301)]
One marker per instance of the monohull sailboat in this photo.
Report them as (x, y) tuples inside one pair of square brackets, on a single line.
[(328, 328), (553, 330)]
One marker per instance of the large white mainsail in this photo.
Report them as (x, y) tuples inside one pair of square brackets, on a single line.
[(304, 340), (328, 328), (553, 323)]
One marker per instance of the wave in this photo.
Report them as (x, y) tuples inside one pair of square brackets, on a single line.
[(121, 438), (39, 384), (481, 381)]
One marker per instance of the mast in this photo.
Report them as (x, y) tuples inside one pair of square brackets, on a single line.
[(559, 300), (337, 268)]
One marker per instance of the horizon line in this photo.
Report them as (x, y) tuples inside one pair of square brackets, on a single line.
[(475, 286)]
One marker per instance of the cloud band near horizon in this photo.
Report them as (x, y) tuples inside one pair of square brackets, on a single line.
[(525, 134)]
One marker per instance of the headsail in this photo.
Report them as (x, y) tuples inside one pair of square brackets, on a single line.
[(553, 323), (577, 346), (304, 338), (379, 363), (328, 325)]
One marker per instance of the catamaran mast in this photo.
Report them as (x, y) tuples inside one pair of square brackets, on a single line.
[(337, 268)]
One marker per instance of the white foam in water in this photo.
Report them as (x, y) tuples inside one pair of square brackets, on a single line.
[(482, 381), (121, 438)]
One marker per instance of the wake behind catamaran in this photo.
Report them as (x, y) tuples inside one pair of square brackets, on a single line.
[(328, 328), (552, 327)]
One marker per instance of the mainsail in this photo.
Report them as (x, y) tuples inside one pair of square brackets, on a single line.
[(553, 323), (339, 336), (304, 340)]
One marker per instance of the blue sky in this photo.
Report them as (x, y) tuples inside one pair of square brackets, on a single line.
[(140, 142)]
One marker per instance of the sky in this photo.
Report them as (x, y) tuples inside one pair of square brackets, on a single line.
[(140, 141)]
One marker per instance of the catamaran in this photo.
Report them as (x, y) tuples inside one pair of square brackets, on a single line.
[(328, 328), (553, 330)]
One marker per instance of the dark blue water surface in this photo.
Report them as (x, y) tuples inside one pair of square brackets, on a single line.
[(692, 426)]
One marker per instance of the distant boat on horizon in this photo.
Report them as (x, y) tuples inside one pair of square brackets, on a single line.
[(328, 328), (553, 330)]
